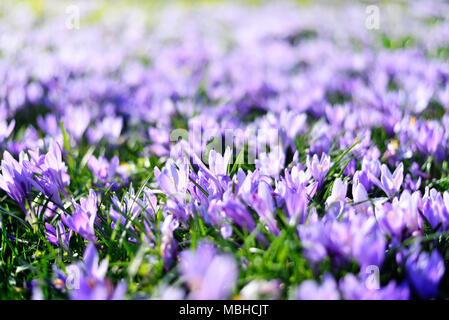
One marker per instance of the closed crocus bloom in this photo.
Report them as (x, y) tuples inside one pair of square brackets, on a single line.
[(424, 272), (83, 219), (263, 204), (363, 178), (409, 204), (311, 290), (54, 235), (169, 244), (16, 179), (237, 212), (218, 164), (435, 212), (410, 184), (446, 200), (160, 141), (339, 190), (359, 193), (55, 169), (360, 196), (49, 125), (297, 204), (34, 92)]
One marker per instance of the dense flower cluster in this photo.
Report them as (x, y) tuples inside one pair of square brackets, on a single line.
[(349, 201)]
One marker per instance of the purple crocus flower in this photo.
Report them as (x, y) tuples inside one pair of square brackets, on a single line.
[(389, 183), (424, 272), (263, 203), (209, 275), (247, 184), (160, 138), (168, 242), (297, 177), (6, 129), (272, 163), (319, 167), (51, 172), (34, 92), (76, 120), (433, 210), (108, 128), (92, 283), (428, 136), (358, 288), (297, 204), (239, 214), (218, 164), (412, 217), (310, 290), (102, 169), (360, 195), (83, 219), (53, 234), (337, 239), (49, 125), (55, 168), (391, 218), (15, 178), (370, 168), (368, 242), (173, 180), (171, 293), (339, 190), (36, 290), (313, 241)]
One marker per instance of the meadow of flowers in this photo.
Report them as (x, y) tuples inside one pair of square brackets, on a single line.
[(224, 150)]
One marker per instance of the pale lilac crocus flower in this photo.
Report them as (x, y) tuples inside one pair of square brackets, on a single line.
[(389, 182), (311, 290), (103, 169), (83, 219), (16, 179), (424, 272), (208, 274), (319, 167), (59, 233), (90, 282), (339, 190)]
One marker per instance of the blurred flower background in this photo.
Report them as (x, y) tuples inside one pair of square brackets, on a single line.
[(98, 201)]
